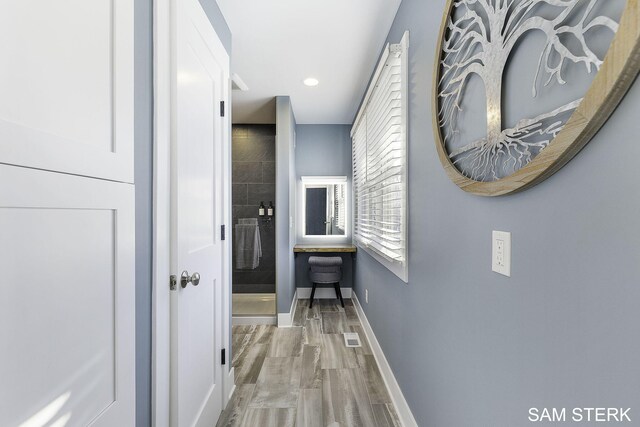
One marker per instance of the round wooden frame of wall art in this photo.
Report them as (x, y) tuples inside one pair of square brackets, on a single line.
[(616, 74)]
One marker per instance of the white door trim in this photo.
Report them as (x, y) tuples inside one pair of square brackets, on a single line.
[(163, 23), (160, 338)]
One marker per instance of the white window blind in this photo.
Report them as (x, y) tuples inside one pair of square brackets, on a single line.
[(339, 200), (380, 163)]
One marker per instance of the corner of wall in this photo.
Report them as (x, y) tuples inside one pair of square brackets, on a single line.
[(285, 203)]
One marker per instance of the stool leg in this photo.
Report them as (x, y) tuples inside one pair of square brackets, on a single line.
[(339, 293), (313, 292)]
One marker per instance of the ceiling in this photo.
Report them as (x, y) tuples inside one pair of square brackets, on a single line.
[(279, 43)]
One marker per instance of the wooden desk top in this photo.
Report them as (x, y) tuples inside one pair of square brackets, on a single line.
[(325, 248)]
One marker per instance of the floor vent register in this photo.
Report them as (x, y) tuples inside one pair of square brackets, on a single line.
[(352, 339)]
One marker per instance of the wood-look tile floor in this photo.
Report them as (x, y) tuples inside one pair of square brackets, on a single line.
[(305, 376)]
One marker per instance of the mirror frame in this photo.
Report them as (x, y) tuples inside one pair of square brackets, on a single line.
[(324, 180)]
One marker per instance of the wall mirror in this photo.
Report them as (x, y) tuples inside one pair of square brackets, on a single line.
[(324, 206)]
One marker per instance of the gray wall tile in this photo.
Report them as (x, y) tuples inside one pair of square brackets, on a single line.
[(267, 234), (247, 172), (254, 149), (261, 130), (248, 211), (253, 276), (239, 194), (269, 172), (262, 192)]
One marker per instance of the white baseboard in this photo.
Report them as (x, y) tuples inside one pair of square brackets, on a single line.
[(323, 293), (401, 405), (285, 320), (254, 320)]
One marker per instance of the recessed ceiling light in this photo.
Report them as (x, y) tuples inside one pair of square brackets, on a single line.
[(310, 81)]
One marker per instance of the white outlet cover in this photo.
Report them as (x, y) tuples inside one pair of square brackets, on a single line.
[(501, 252)]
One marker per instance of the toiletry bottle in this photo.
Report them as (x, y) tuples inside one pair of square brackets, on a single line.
[(261, 209), (270, 209)]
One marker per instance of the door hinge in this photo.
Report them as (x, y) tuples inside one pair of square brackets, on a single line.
[(173, 282), (223, 232), (221, 108), (223, 357)]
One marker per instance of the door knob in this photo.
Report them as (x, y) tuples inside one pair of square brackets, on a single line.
[(185, 279)]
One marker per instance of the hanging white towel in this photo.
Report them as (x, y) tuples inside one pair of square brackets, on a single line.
[(248, 244)]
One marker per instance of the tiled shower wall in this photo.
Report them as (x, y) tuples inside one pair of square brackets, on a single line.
[(253, 181)]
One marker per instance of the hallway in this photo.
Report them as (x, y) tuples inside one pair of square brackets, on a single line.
[(305, 375), (179, 179)]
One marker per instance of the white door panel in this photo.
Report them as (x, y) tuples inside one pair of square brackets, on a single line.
[(199, 134), (67, 306), (66, 86)]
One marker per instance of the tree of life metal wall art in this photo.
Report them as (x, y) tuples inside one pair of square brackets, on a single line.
[(478, 41)]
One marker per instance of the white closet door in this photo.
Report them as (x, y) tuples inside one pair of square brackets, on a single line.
[(67, 304), (66, 86)]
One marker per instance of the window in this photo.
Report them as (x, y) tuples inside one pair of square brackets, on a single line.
[(340, 205), (379, 137)]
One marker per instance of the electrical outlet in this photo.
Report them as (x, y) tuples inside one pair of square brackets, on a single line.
[(501, 253), (366, 296)]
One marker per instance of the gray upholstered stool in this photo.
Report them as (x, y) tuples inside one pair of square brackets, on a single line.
[(325, 270)]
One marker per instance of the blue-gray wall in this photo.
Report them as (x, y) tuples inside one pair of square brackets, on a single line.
[(472, 348), (143, 172), (218, 22), (285, 202), (323, 150), (143, 111)]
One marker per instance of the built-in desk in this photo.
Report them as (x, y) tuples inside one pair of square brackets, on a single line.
[(340, 248), (302, 253)]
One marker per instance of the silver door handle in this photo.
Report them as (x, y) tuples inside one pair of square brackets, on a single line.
[(185, 279)]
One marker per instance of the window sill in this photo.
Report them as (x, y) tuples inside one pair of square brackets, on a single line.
[(400, 269)]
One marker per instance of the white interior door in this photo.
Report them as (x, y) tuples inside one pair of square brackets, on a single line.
[(66, 86), (201, 80), (67, 304)]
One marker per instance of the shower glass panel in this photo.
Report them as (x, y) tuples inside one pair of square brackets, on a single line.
[(253, 199)]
